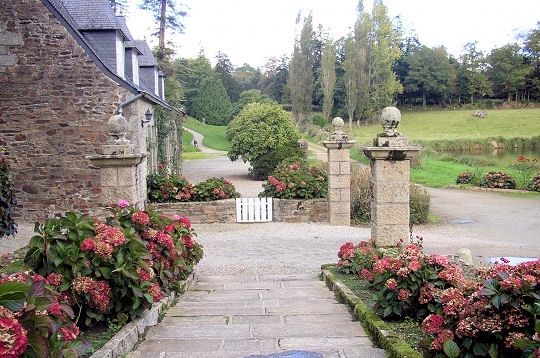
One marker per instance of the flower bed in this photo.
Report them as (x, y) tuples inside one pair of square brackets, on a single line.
[(496, 314), (87, 271)]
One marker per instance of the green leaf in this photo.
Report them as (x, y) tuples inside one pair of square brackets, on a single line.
[(490, 288), (480, 349), (451, 349)]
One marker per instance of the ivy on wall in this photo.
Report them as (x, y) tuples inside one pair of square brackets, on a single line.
[(169, 139)]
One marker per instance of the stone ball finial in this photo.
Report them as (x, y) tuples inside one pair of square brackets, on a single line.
[(118, 126), (338, 123), (390, 118), (338, 135)]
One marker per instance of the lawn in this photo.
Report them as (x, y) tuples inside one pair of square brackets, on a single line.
[(214, 136), (457, 125)]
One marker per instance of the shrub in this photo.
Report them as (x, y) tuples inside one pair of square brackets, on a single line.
[(497, 317), (319, 120), (355, 259), (497, 314), (7, 202), (525, 169), (419, 200), (534, 183), (35, 321), (405, 284), (163, 188), (166, 188), (499, 180), (464, 178), (360, 194), (296, 180), (214, 189), (117, 268), (263, 165)]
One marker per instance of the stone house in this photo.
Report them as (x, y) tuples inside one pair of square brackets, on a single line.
[(66, 67)]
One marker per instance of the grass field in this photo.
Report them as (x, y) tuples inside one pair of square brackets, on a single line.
[(458, 125), (214, 136)]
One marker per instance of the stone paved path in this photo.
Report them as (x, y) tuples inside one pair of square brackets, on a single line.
[(257, 315)]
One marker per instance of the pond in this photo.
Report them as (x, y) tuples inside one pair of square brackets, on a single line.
[(502, 157)]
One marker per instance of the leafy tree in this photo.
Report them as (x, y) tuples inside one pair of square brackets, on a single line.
[(508, 71), (260, 129), (247, 97), (532, 49), (273, 80), (247, 77), (226, 70), (191, 73), (212, 104), (473, 78), (167, 14), (301, 71), (328, 75), (430, 73)]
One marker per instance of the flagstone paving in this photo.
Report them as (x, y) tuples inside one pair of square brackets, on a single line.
[(255, 316)]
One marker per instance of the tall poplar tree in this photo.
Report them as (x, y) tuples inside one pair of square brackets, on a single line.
[(301, 71), (361, 53), (328, 74), (350, 76), (385, 52)]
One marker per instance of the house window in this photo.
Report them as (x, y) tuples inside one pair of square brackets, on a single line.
[(135, 66)]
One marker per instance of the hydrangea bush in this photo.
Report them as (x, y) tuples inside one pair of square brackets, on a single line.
[(496, 314), (296, 180), (165, 188), (35, 320), (116, 268)]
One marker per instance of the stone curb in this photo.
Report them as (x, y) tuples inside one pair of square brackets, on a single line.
[(127, 338), (377, 329)]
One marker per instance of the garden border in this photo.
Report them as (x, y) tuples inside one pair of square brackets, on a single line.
[(377, 329)]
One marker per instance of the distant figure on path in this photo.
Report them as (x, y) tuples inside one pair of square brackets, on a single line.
[(195, 142)]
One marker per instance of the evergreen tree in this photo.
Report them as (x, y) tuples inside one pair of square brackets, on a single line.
[(226, 70), (212, 105)]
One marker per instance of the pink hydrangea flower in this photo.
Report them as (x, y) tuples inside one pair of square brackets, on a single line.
[(123, 204)]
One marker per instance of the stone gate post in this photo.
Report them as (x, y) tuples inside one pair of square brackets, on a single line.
[(339, 175), (118, 164), (390, 176)]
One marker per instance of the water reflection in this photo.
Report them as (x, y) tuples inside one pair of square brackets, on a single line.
[(501, 157)]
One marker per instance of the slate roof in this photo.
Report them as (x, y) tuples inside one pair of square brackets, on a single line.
[(68, 11), (146, 59), (129, 42), (92, 14)]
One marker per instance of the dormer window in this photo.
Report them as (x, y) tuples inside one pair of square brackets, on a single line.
[(120, 55)]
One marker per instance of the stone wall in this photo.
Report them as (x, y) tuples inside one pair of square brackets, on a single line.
[(224, 211), (54, 106)]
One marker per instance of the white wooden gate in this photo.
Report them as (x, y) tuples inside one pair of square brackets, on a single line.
[(250, 210)]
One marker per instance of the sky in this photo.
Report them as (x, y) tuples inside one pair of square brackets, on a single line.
[(252, 31)]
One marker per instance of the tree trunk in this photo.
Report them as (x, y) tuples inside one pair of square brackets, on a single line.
[(162, 19)]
